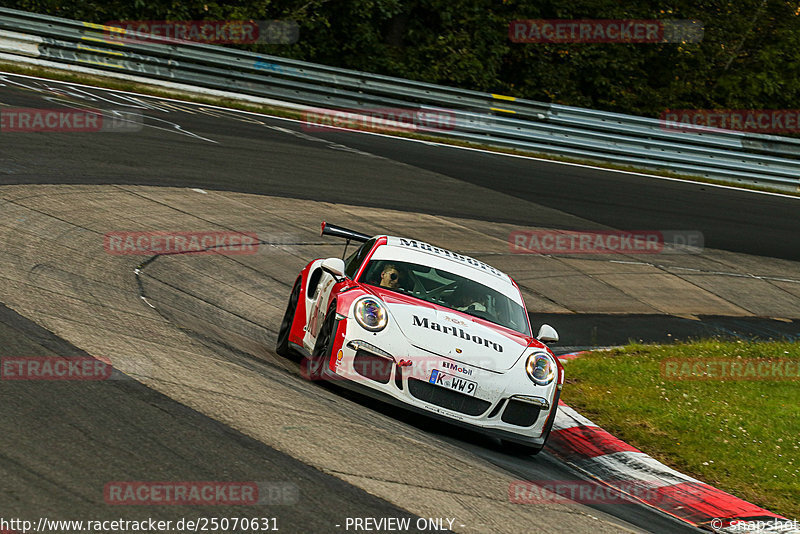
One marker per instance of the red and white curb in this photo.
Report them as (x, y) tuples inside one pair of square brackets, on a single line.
[(596, 453)]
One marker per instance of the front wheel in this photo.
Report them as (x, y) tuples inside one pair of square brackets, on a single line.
[(282, 347), (321, 355)]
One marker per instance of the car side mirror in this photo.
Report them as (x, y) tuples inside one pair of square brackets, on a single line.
[(334, 266), (547, 334)]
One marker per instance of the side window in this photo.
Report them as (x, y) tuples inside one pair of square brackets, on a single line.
[(353, 262)]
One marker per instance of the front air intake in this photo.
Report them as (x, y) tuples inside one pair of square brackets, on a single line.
[(520, 413), (447, 398)]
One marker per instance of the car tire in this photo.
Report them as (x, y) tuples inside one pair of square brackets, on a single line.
[(321, 355), (282, 347)]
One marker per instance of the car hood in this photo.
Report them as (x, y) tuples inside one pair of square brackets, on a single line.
[(443, 332)]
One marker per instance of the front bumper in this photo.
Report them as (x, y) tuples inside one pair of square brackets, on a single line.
[(506, 405)]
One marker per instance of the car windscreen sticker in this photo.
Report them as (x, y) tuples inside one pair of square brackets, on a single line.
[(420, 245)]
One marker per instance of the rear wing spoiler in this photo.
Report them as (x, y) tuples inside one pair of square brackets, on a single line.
[(338, 231), (350, 235)]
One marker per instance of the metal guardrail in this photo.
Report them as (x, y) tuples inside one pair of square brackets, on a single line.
[(483, 118)]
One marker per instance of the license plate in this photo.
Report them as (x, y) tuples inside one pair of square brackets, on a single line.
[(456, 383)]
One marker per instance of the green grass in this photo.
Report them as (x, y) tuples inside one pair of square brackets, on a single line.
[(742, 436), (154, 90)]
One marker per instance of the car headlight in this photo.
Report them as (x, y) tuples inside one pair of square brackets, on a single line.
[(541, 368), (371, 314)]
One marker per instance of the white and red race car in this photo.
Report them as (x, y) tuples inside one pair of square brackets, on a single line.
[(429, 330)]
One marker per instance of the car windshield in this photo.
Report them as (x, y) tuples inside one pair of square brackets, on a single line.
[(447, 289)]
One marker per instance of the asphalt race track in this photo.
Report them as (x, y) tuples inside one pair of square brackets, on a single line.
[(193, 409), (242, 155)]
